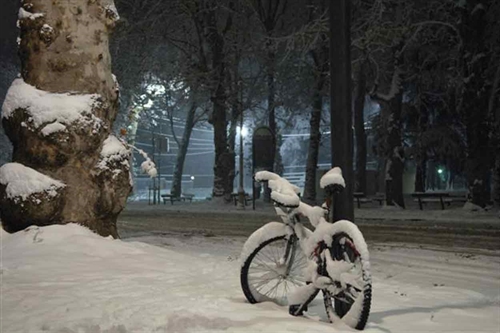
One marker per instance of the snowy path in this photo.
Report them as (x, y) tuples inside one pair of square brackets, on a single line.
[(451, 228), (65, 279)]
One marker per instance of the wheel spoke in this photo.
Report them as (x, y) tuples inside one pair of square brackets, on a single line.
[(267, 272), (352, 286)]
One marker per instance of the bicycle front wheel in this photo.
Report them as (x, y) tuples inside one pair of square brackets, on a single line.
[(350, 298), (273, 270)]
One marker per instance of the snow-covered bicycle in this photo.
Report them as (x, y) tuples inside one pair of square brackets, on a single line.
[(289, 264)]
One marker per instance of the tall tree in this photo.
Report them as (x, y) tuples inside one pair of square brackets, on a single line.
[(359, 126), (476, 57), (59, 115), (341, 110), (320, 65), (270, 14), (183, 144)]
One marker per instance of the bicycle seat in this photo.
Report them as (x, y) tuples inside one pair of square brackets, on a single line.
[(282, 192), (332, 181)]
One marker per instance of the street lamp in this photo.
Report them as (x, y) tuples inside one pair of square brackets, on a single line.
[(243, 132)]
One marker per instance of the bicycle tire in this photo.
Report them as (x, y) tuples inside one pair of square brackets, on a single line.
[(344, 247), (264, 260)]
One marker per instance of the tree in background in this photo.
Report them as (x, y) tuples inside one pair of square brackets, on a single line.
[(478, 72), (319, 53)]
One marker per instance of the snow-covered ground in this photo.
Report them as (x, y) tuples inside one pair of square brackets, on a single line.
[(66, 279)]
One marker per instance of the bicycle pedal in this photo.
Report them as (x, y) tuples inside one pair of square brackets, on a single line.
[(297, 310)]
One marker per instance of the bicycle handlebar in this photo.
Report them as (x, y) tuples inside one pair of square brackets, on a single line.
[(285, 194), (282, 191)]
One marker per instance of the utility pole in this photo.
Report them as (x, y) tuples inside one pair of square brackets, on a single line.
[(341, 104)]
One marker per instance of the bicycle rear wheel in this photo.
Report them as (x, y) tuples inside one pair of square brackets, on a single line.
[(273, 270), (350, 297)]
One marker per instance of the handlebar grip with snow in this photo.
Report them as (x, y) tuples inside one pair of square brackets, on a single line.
[(282, 192)]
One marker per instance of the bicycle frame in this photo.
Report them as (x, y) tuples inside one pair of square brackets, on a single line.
[(296, 231), (337, 255)]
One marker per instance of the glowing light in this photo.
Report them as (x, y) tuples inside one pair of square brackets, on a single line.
[(243, 131), (440, 171), (192, 177)]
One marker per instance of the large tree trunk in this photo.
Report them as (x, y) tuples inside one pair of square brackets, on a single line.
[(475, 102), (224, 159), (271, 92), (176, 188), (359, 129), (271, 110), (494, 107), (421, 152), (496, 179), (395, 155), (421, 173), (233, 124), (341, 109), (312, 153), (314, 134), (58, 128)]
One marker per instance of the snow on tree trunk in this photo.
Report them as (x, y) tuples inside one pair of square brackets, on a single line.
[(181, 153), (58, 116), (359, 129)]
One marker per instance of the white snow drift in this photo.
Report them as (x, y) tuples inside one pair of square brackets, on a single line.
[(67, 279)]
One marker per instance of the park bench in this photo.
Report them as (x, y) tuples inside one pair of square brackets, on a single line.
[(235, 197), (360, 198), (187, 196), (380, 197), (172, 198), (425, 197)]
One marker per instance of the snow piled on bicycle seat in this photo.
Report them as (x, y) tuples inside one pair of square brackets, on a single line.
[(332, 177)]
